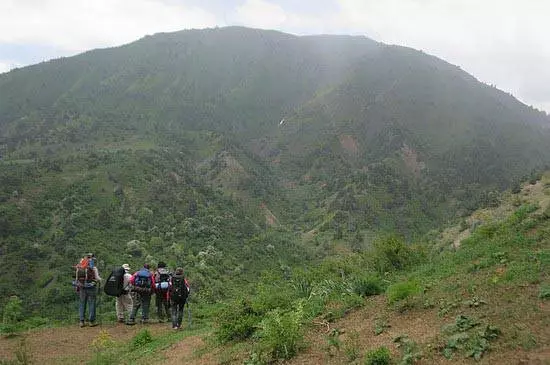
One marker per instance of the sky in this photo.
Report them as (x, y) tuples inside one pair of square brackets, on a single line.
[(505, 43)]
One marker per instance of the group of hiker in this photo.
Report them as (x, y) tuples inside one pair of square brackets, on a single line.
[(132, 291)]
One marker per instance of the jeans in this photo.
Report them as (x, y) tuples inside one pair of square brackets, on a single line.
[(87, 296), (143, 301), (177, 313), (163, 306)]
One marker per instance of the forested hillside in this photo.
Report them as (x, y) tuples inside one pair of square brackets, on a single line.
[(231, 151)]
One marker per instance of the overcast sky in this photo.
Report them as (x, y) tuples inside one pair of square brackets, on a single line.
[(501, 42)]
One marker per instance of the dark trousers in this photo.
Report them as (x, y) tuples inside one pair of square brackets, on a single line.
[(163, 306), (177, 313), (143, 301)]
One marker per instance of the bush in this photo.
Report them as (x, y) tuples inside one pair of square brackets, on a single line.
[(237, 322), (391, 253), (380, 356), (367, 286), (12, 311), (281, 333), (403, 290), (544, 292)]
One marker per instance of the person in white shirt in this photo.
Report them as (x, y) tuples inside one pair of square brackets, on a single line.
[(124, 302)]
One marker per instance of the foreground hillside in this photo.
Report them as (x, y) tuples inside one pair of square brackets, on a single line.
[(476, 292)]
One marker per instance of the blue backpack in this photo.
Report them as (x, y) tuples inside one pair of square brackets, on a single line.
[(142, 281)]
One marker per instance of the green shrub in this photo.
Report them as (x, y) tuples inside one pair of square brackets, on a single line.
[(391, 253), (402, 290), (12, 311), (142, 338), (281, 332), (544, 292), (367, 286), (380, 356), (237, 322)]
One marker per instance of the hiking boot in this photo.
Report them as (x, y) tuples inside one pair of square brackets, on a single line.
[(82, 324), (120, 320), (174, 327), (131, 322), (93, 324)]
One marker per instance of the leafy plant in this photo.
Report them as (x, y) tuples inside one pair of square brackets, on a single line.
[(544, 292), (101, 346), (402, 290), (367, 286), (379, 356), (410, 353), (142, 338), (281, 332), (351, 345)]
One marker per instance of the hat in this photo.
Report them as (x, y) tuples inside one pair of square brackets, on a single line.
[(89, 255), (126, 267), (161, 264)]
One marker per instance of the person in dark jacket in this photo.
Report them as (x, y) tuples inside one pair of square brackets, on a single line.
[(179, 292), (162, 288)]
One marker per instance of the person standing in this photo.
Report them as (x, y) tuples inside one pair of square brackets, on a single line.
[(162, 286), (87, 281), (124, 302), (179, 291), (143, 284)]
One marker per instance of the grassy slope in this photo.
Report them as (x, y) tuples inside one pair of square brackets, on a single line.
[(494, 278)]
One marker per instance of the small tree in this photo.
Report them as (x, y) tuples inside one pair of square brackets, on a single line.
[(12, 311)]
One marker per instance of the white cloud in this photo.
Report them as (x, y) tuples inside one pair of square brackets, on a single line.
[(7, 65), (4, 67), (260, 14), (79, 25), (502, 42)]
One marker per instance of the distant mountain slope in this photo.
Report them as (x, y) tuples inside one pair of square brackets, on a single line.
[(288, 103), (248, 145)]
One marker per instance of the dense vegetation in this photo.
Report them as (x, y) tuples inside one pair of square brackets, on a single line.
[(236, 151)]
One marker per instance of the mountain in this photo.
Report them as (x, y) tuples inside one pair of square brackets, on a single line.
[(233, 150)]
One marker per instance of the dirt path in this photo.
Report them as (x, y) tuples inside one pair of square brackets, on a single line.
[(70, 345)]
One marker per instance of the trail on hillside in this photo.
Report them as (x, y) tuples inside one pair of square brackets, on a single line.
[(73, 345)]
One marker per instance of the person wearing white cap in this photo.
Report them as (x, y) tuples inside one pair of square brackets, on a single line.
[(124, 301)]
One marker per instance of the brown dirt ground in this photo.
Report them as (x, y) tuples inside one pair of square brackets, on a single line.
[(423, 326), (72, 344)]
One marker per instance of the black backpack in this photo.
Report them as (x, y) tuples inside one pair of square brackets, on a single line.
[(178, 290), (114, 286)]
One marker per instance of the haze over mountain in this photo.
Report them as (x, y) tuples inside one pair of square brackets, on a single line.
[(197, 144)]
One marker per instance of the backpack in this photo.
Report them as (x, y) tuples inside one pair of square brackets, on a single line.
[(162, 280), (85, 275), (114, 286), (142, 281), (179, 290)]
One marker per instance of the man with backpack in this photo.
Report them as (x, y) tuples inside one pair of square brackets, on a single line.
[(124, 301), (162, 286), (179, 291), (87, 282), (143, 285)]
